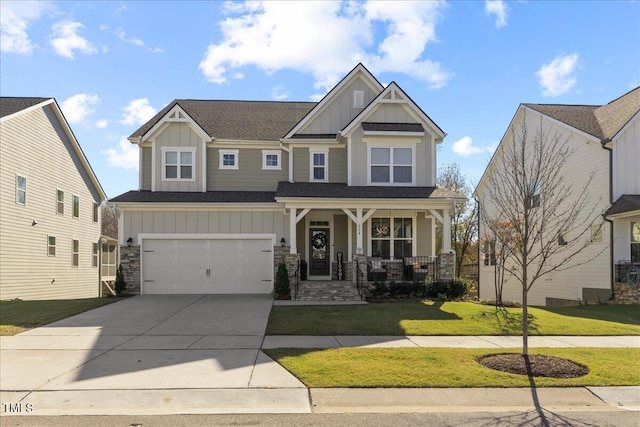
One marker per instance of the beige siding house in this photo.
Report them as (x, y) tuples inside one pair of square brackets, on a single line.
[(49, 206), (229, 188), (606, 141)]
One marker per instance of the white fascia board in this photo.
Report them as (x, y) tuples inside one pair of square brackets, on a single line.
[(229, 207), (623, 215), (320, 106), (237, 143), (328, 203), (168, 119)]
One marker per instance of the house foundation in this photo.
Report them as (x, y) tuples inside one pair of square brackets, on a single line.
[(130, 262)]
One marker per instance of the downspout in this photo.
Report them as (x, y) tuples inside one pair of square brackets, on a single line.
[(611, 266), (290, 151), (478, 243)]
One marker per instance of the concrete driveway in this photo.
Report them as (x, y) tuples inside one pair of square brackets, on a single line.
[(155, 353)]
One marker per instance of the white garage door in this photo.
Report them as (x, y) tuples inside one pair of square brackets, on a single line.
[(216, 266)]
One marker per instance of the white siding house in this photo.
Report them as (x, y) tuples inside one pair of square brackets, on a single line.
[(50, 199), (605, 142)]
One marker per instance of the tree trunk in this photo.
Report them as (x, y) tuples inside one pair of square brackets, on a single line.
[(525, 323)]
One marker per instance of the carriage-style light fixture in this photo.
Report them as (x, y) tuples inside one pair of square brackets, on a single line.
[(282, 242), (129, 242)]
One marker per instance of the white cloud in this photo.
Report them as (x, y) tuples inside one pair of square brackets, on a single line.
[(122, 35), (278, 35), (278, 93), (102, 123), (137, 112), (125, 155), (497, 8), (558, 76), (66, 40), (465, 148), (15, 18), (78, 107)]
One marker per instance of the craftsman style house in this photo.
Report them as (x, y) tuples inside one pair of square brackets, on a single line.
[(229, 188), (50, 199), (605, 140)]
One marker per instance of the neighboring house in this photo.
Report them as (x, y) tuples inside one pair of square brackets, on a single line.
[(49, 205), (606, 140), (229, 188)]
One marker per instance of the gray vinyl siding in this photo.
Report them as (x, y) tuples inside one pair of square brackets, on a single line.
[(301, 235), (340, 111), (301, 164), (178, 135), (249, 176), (146, 168), (424, 236), (338, 165), (205, 222), (340, 236), (35, 145)]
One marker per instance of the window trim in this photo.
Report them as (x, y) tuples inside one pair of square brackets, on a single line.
[(50, 246), (75, 253), (412, 146), (312, 166), (178, 165), (489, 257), (632, 242), (392, 238), (94, 255), (20, 190), (59, 203), (236, 160), (277, 153), (75, 203)]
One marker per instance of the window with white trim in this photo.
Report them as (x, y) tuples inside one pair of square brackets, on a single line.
[(51, 245), (391, 165), (319, 163), (391, 237), (94, 255), (489, 252), (21, 190), (533, 198), (75, 253), (635, 241), (271, 159), (60, 202), (76, 207), (178, 164), (96, 210), (228, 159)]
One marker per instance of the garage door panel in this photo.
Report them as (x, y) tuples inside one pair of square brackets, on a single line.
[(208, 266)]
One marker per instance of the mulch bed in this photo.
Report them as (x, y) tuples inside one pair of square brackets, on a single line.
[(537, 366)]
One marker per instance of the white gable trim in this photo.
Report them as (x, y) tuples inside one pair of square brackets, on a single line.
[(395, 96), (627, 125), (26, 110), (333, 93), (176, 115)]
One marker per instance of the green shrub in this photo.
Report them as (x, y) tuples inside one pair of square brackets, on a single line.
[(281, 286), (120, 284)]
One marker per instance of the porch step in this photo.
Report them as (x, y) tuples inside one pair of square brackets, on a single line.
[(330, 290)]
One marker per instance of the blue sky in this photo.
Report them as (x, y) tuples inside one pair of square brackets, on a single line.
[(469, 64)]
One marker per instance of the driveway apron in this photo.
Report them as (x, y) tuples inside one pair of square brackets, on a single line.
[(150, 343)]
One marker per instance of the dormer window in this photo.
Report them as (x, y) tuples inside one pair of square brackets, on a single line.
[(358, 99), (178, 164)]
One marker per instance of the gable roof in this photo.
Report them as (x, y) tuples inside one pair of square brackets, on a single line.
[(14, 106), (237, 120), (600, 121), (627, 203)]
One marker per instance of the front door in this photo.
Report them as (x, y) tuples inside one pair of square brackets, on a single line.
[(319, 254)]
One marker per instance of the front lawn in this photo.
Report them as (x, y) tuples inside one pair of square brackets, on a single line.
[(451, 318), (444, 367), (19, 316)]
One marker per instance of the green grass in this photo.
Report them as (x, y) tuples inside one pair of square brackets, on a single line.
[(451, 318), (444, 367), (20, 316)]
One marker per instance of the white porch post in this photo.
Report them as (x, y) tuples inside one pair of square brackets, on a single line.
[(446, 231), (359, 244), (293, 239)]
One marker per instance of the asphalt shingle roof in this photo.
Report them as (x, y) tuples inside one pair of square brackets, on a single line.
[(135, 196), (343, 191), (393, 127), (626, 203), (10, 105), (601, 121), (238, 120)]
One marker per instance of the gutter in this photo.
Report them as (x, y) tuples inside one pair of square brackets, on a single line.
[(611, 255), (478, 244)]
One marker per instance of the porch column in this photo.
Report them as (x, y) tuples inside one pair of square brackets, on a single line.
[(359, 244), (293, 238), (446, 231)]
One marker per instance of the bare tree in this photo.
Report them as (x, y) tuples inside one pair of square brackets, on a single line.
[(464, 221), (109, 216), (534, 209)]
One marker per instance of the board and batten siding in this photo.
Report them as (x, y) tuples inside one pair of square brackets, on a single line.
[(145, 152), (178, 135), (626, 158), (340, 111), (35, 146), (595, 269), (249, 176), (204, 222), (337, 164)]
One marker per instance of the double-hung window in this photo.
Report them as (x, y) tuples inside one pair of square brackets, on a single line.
[(76, 207), (271, 160), (51, 245), (75, 253), (489, 252), (60, 202), (229, 159), (96, 210), (319, 166), (178, 164), (635, 241), (389, 165), (94, 255), (392, 237), (21, 190)]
